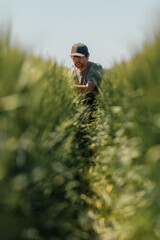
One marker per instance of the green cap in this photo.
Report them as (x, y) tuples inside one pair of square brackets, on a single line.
[(79, 49)]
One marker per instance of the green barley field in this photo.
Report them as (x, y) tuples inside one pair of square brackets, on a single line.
[(63, 177)]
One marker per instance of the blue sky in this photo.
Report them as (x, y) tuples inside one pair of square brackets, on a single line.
[(112, 29)]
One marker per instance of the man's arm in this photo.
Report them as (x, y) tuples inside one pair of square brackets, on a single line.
[(87, 88)]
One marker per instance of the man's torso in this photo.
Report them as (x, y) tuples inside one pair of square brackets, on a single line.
[(93, 73)]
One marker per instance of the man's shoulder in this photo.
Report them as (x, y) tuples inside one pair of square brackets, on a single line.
[(72, 70), (94, 66)]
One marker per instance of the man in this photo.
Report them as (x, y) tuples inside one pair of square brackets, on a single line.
[(88, 75)]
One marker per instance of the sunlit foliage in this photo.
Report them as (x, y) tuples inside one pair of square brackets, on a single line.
[(64, 177)]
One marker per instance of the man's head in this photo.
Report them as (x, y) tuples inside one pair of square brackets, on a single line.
[(79, 49), (80, 55)]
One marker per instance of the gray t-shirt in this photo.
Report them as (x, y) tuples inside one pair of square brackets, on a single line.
[(93, 73)]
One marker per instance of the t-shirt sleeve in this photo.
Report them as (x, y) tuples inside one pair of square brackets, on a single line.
[(71, 71), (96, 75)]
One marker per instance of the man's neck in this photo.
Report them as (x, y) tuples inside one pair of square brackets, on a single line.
[(82, 69)]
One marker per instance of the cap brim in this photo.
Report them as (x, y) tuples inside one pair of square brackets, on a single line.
[(77, 54)]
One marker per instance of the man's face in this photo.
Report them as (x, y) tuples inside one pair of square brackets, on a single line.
[(80, 62)]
